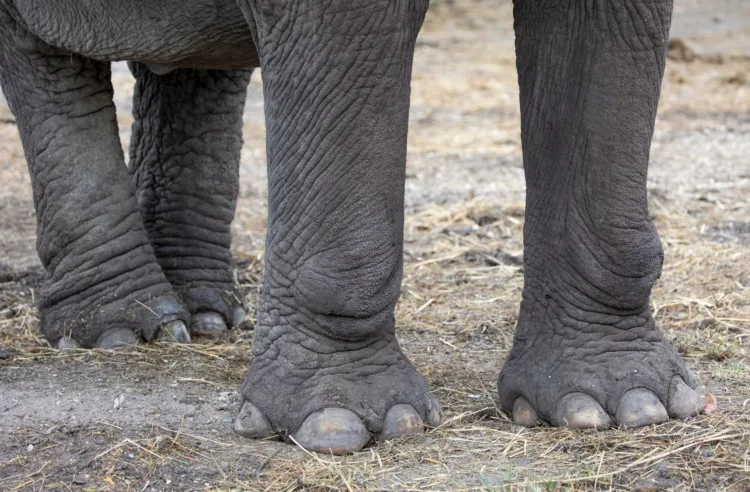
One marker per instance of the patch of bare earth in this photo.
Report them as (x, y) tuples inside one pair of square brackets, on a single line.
[(159, 417)]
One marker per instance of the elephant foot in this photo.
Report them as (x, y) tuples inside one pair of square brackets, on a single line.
[(622, 373), (214, 309), (122, 323), (333, 396), (172, 332)]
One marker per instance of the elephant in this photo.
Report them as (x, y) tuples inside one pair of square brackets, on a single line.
[(141, 252)]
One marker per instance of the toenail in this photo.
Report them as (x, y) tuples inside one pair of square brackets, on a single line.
[(238, 317), (401, 420), (250, 422), (332, 430), (684, 401), (67, 343), (175, 332), (210, 324), (580, 411), (639, 407), (435, 414), (117, 338), (523, 413)]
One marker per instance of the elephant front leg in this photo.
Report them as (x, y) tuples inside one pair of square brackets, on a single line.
[(586, 351), (184, 158), (327, 369), (104, 287)]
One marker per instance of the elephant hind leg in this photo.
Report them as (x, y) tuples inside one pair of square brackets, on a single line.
[(184, 159), (104, 286)]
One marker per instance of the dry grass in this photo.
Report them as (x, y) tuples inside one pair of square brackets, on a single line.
[(458, 308)]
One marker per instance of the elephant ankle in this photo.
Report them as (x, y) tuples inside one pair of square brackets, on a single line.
[(355, 301), (578, 323), (610, 269), (581, 305), (331, 327)]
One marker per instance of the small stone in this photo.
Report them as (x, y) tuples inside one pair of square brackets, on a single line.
[(159, 443), (118, 402)]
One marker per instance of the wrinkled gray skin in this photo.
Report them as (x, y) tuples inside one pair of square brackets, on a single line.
[(143, 254)]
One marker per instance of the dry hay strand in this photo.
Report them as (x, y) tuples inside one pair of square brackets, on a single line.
[(479, 456), (484, 455), (19, 320)]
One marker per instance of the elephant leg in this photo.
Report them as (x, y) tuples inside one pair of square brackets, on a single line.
[(104, 287), (586, 351), (184, 158), (327, 369)]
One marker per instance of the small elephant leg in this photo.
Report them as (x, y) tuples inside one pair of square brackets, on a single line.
[(327, 369), (586, 351), (184, 158), (104, 287)]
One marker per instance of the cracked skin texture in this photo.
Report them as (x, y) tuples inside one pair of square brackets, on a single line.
[(130, 254), (586, 352), (174, 146), (114, 276)]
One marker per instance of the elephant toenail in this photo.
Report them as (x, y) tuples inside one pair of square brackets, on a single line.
[(208, 324), (332, 430), (238, 316), (401, 420), (684, 401), (117, 338), (580, 411), (435, 414), (523, 413), (67, 343), (639, 407), (251, 422), (174, 332)]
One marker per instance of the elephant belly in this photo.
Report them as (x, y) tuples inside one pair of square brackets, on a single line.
[(162, 33)]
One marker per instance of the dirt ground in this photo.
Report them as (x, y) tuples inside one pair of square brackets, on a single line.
[(160, 417)]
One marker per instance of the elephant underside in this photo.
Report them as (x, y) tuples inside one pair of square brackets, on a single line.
[(166, 35)]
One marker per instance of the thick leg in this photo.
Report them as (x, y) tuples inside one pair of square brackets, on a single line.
[(327, 369), (184, 157), (104, 287), (586, 351)]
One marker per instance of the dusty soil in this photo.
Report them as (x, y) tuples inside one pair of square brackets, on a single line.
[(159, 417)]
